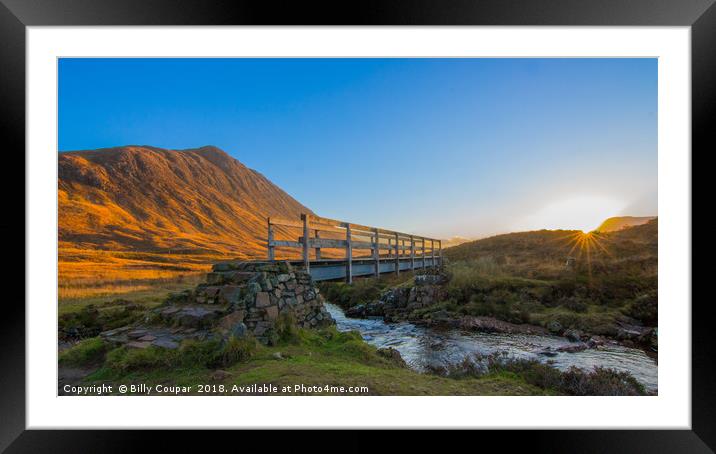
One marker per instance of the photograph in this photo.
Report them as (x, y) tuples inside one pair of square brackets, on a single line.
[(358, 226), (251, 217)]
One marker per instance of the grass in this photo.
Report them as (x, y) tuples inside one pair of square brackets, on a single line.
[(305, 357), (84, 353), (145, 293), (476, 289)]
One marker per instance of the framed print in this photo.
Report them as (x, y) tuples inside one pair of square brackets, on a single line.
[(239, 217)]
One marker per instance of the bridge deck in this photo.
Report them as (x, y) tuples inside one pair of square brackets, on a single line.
[(331, 269)]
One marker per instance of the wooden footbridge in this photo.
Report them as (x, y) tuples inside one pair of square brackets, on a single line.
[(333, 249)]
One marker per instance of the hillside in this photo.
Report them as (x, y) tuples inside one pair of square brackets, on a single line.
[(123, 211), (596, 283), (622, 222), (544, 253)]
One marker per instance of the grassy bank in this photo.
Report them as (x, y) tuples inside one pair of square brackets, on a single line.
[(583, 281), (301, 357), (141, 292), (572, 300)]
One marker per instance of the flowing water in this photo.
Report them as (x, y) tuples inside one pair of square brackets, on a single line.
[(422, 347)]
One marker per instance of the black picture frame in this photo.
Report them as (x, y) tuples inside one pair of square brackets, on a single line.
[(16, 15)]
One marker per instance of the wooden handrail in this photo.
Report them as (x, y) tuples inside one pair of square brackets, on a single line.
[(318, 223), (368, 238)]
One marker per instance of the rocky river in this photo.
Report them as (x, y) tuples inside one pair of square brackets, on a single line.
[(422, 347)]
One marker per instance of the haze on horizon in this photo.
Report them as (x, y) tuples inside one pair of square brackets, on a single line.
[(439, 147)]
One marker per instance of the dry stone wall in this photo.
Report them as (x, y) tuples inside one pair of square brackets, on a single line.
[(238, 298)]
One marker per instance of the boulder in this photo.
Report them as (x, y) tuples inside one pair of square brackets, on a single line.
[(547, 351), (220, 375), (165, 343), (572, 348), (393, 356), (357, 311), (238, 331), (554, 327)]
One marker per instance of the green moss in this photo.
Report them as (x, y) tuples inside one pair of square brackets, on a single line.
[(86, 352), (124, 359)]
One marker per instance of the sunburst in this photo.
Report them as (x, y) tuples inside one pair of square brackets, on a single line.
[(585, 244)]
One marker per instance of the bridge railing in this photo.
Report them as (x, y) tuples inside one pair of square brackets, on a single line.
[(316, 233)]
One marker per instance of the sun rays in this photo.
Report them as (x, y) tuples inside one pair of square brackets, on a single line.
[(586, 245)]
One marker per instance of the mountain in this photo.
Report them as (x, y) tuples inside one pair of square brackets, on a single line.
[(621, 222), (140, 199)]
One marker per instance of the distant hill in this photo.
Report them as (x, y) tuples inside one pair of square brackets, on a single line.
[(621, 222), (141, 199), (544, 253), (454, 241)]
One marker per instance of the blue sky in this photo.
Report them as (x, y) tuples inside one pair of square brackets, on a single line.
[(440, 147)]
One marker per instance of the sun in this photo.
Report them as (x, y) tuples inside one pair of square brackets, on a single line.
[(584, 213)]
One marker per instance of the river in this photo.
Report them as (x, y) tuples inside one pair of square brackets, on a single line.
[(421, 347)]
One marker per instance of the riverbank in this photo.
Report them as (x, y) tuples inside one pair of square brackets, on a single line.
[(430, 349), (466, 296), (310, 359)]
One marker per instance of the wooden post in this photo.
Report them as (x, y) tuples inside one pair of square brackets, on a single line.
[(376, 252), (269, 243), (306, 233), (432, 251), (423, 241), (440, 251), (349, 255), (397, 254), (318, 249), (412, 252)]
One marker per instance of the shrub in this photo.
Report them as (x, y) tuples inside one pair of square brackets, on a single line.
[(287, 329), (574, 304), (577, 382), (645, 308), (235, 350), (81, 324), (86, 352), (198, 353), (600, 382)]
